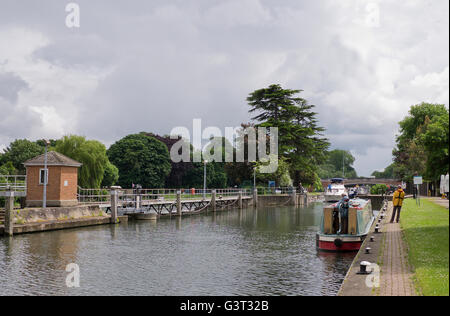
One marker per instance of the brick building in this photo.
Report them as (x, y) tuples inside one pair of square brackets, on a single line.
[(62, 180)]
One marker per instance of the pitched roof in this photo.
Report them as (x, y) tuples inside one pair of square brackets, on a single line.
[(53, 159)]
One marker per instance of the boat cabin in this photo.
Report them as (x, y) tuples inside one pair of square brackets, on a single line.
[(337, 180), (359, 218)]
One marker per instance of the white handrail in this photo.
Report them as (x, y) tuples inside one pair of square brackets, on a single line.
[(16, 183)]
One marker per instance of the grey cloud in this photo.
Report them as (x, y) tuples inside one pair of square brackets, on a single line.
[(16, 122), (10, 85), (167, 62)]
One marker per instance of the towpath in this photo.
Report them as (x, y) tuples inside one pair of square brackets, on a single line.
[(439, 201), (396, 274), (389, 251)]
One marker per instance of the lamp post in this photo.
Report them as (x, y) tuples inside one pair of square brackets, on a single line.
[(254, 174), (44, 197), (204, 179)]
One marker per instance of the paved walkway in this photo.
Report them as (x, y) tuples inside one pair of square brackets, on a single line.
[(439, 201), (396, 274)]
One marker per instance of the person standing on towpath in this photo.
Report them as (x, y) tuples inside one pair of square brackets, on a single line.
[(397, 201)]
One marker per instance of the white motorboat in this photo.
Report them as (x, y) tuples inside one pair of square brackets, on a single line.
[(335, 189)]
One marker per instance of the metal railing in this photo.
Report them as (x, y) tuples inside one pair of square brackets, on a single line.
[(93, 196), (103, 196), (276, 190), (16, 183)]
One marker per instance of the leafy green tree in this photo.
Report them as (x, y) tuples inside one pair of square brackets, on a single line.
[(91, 153), (422, 145), (281, 177), (52, 142), (241, 173), (216, 177), (300, 138), (110, 176), (388, 173), (317, 186), (177, 175), (238, 173), (416, 118), (20, 151), (435, 140), (141, 159), (339, 163), (8, 169)]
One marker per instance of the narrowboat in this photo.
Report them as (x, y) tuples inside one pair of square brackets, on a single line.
[(360, 219)]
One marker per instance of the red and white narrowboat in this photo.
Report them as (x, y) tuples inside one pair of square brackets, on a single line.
[(360, 219)]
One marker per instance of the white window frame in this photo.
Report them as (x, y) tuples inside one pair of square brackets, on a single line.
[(40, 176)]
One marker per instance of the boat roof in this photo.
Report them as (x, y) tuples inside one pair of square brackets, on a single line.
[(355, 203), (334, 180)]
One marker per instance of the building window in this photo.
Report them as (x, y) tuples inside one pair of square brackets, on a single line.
[(42, 176)]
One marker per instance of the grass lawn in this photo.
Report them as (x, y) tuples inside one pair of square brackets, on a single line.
[(426, 232)]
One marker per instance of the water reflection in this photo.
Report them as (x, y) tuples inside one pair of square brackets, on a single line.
[(269, 251)]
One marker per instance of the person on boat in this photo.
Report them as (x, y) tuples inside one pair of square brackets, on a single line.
[(335, 220), (352, 193), (343, 206), (336, 213), (300, 188), (397, 201)]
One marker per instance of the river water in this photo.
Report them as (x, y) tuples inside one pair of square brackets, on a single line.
[(269, 251)]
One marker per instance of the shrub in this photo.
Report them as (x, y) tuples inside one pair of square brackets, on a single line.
[(379, 189)]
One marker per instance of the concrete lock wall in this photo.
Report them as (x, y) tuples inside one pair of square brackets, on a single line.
[(274, 200), (36, 215), (376, 200)]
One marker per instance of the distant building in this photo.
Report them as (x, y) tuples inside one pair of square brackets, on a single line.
[(62, 180)]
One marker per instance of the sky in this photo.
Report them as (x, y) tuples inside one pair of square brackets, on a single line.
[(152, 65)]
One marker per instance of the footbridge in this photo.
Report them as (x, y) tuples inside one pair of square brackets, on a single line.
[(167, 202), (164, 201), (364, 181)]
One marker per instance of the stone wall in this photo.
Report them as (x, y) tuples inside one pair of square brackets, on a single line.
[(376, 200), (36, 215), (274, 200)]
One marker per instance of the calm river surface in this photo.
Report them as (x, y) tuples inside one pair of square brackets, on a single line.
[(269, 251)]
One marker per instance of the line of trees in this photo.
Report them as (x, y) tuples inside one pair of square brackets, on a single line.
[(339, 164), (95, 172), (422, 144), (144, 158)]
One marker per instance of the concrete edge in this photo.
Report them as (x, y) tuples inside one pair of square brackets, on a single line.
[(355, 263), (60, 225)]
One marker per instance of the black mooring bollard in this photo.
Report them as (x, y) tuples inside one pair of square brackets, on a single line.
[(363, 267)]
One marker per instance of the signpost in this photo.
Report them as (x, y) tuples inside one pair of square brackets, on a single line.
[(418, 181)]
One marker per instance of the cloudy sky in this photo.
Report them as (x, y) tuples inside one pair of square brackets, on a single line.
[(152, 65)]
